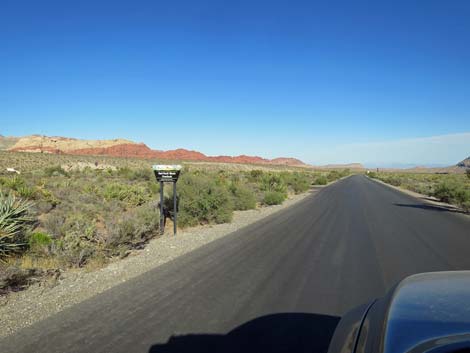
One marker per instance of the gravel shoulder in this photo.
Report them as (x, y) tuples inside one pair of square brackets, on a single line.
[(21, 309)]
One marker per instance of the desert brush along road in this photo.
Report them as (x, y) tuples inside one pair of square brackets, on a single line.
[(278, 285)]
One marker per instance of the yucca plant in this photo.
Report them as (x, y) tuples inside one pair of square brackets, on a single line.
[(14, 220)]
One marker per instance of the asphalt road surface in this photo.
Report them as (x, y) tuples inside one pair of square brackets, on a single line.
[(279, 285)]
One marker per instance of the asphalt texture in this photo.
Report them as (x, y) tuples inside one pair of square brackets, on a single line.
[(278, 285)]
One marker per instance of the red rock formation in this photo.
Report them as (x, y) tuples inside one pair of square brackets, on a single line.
[(125, 148), (142, 151)]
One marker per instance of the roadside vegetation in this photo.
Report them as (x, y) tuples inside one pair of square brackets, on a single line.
[(450, 188), (66, 212)]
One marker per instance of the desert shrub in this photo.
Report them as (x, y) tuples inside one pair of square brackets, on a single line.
[(18, 186), (143, 174), (243, 197), (91, 189), (333, 175), (256, 175), (134, 195), (466, 205), (273, 182), (221, 177), (296, 181), (394, 180), (452, 192), (125, 172), (235, 178), (300, 185), (135, 174), (13, 183), (54, 223), (462, 195), (56, 170), (26, 192), (372, 175), (39, 239), (273, 198), (202, 201), (467, 173), (132, 230), (39, 242), (15, 220), (444, 191), (79, 242), (153, 187), (320, 180)]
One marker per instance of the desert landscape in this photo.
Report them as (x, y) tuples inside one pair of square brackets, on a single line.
[(234, 177), (71, 204)]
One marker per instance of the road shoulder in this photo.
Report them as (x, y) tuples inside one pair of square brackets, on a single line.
[(425, 199)]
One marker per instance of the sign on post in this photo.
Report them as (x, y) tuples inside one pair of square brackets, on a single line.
[(167, 173)]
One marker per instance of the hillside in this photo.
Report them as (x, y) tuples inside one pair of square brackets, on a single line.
[(6, 142), (465, 163), (126, 148), (57, 144)]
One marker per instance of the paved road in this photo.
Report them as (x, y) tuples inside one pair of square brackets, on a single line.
[(312, 262)]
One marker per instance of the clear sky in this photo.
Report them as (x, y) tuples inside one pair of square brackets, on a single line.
[(377, 82)]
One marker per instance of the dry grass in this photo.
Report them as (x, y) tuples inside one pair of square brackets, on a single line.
[(28, 261)]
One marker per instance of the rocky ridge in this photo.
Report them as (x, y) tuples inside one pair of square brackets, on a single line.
[(126, 148)]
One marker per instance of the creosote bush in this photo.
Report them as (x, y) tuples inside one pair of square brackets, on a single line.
[(202, 201), (132, 230), (242, 196), (56, 170), (131, 194), (273, 198), (320, 180), (452, 192)]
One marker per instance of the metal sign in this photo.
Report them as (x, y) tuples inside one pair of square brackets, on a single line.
[(167, 173)]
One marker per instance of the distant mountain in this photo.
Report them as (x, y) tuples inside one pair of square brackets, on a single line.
[(353, 166), (126, 148), (403, 165), (458, 168), (465, 163)]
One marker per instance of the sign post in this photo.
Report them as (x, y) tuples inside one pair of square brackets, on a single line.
[(175, 208), (164, 174)]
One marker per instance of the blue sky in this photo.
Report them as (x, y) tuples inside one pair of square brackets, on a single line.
[(377, 82)]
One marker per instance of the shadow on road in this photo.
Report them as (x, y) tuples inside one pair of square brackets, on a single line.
[(290, 332), (432, 208)]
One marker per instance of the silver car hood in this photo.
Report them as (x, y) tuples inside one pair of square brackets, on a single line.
[(427, 311)]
